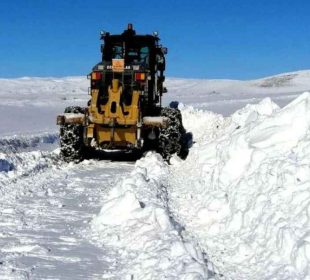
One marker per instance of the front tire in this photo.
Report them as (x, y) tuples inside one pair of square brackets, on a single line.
[(72, 148)]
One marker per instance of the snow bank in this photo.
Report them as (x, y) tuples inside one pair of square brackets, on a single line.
[(135, 222), (17, 143), (14, 166), (246, 195), (204, 125), (22, 156)]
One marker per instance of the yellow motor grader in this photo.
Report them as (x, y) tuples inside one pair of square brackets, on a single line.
[(125, 111)]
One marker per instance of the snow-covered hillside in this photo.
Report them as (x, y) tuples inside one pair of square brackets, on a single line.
[(227, 96), (236, 208), (30, 104)]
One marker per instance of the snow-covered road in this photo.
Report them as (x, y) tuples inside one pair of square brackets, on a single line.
[(44, 216)]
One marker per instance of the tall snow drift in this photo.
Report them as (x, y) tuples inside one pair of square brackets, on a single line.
[(245, 194), (135, 223)]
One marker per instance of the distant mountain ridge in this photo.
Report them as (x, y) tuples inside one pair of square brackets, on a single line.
[(285, 79), (301, 74)]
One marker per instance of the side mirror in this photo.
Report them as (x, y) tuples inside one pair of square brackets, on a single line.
[(161, 64), (164, 50)]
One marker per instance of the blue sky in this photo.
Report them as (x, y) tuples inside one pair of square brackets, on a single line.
[(235, 39)]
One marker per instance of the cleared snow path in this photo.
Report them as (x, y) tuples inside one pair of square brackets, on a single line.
[(43, 221)]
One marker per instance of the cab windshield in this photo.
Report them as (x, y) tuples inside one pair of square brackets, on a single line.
[(132, 53)]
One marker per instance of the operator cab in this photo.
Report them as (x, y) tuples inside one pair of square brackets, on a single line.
[(133, 52), (137, 61), (134, 49)]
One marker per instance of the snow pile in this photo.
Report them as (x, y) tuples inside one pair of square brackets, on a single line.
[(135, 222), (17, 165), (204, 125), (246, 195), (24, 156)]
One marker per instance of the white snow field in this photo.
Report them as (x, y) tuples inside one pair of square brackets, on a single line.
[(237, 208)]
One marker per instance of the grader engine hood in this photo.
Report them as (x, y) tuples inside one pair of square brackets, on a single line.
[(108, 106), (113, 121)]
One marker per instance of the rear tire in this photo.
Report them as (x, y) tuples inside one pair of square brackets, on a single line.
[(171, 139), (72, 148)]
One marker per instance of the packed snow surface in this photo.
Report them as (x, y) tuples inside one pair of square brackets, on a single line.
[(236, 208)]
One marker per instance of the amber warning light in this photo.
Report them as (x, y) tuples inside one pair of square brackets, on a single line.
[(96, 76), (140, 76)]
